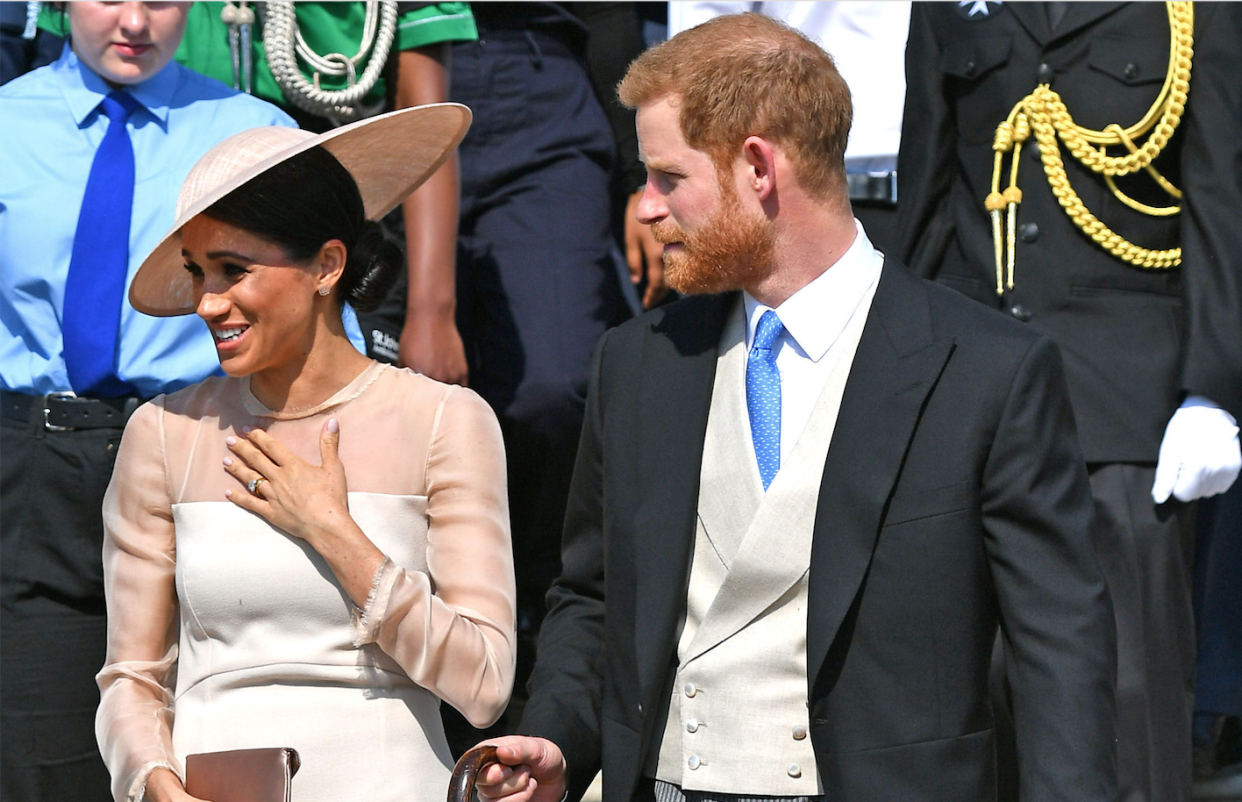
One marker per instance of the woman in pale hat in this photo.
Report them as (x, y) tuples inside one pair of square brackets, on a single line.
[(312, 551)]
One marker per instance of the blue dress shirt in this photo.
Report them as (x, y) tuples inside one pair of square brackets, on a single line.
[(51, 129)]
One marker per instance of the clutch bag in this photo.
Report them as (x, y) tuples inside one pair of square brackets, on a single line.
[(242, 775)]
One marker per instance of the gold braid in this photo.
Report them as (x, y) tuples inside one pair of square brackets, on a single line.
[(1043, 115)]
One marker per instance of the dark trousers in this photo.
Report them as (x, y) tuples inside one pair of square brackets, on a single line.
[(1146, 554), (1218, 604), (536, 284), (52, 624)]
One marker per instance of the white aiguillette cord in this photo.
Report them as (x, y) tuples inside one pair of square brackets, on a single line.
[(239, 17), (284, 45)]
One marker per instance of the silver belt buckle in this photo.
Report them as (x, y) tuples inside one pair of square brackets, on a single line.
[(47, 410)]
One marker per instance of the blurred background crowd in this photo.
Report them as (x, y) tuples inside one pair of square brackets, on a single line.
[(523, 249)]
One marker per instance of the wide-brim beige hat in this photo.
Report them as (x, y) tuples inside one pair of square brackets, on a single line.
[(389, 156)]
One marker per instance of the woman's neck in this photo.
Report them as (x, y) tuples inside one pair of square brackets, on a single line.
[(329, 364)]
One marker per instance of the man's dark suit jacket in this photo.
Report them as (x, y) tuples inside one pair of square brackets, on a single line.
[(954, 497), (1134, 341)]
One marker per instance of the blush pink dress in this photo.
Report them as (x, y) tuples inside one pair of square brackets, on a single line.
[(226, 633)]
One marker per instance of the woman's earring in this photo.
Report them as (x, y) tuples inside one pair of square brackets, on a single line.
[(324, 290)]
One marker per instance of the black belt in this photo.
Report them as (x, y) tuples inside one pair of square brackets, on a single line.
[(65, 412), (877, 188)]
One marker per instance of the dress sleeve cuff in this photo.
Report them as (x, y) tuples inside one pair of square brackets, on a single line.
[(367, 621), (138, 789)]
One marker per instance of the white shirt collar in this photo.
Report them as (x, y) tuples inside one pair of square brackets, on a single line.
[(815, 315)]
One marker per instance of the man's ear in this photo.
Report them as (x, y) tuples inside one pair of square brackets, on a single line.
[(331, 262), (760, 166)]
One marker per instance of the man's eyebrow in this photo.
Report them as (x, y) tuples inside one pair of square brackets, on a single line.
[(659, 165)]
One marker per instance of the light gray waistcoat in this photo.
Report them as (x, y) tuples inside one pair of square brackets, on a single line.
[(737, 719)]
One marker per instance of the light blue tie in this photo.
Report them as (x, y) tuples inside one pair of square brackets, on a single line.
[(95, 289), (763, 397)]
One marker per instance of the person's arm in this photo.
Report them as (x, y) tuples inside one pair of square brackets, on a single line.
[(1056, 615), (566, 686), (926, 161), (1212, 203), (1199, 453), (558, 753), (134, 720), (430, 342), (615, 40), (451, 628)]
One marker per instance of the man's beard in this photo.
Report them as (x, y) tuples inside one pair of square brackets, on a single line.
[(730, 251)]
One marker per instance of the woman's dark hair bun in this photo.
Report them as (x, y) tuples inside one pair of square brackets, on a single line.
[(371, 270)]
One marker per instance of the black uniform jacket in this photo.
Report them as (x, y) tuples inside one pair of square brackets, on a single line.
[(954, 496), (1134, 341)]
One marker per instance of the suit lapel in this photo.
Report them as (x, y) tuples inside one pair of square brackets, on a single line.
[(897, 365), (730, 489), (775, 551), (679, 367), (1080, 15), (1034, 18)]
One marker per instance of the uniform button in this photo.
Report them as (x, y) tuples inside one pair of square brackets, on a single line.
[(795, 770), (692, 725), (640, 708), (1131, 71), (1020, 312), (1045, 73), (799, 732), (690, 689), (694, 762), (1028, 232), (969, 68)]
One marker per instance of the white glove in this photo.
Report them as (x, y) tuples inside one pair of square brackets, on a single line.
[(1199, 455)]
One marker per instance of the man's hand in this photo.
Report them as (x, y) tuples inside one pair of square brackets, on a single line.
[(640, 247), (1199, 455), (431, 345), (533, 770)]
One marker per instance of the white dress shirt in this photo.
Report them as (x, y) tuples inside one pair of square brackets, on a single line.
[(868, 43), (814, 318)]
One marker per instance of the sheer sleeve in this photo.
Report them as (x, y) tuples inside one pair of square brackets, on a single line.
[(452, 628), (134, 722)]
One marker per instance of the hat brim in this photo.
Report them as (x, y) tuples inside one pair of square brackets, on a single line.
[(389, 156)]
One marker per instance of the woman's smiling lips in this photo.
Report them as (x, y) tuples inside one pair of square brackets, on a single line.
[(228, 338)]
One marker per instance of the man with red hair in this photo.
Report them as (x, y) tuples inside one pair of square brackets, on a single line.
[(808, 493)]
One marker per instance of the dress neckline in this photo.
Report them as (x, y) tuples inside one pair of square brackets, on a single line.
[(343, 396)]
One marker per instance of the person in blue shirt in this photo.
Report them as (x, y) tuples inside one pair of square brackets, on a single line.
[(58, 446)]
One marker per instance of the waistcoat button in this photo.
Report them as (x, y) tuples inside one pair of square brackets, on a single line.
[(693, 762), (799, 732), (692, 725), (795, 770), (691, 690)]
